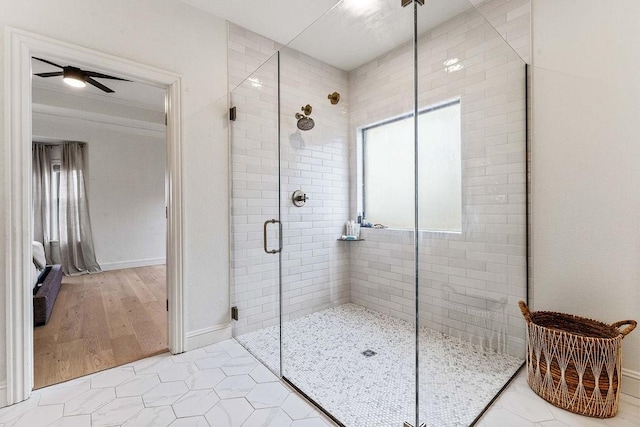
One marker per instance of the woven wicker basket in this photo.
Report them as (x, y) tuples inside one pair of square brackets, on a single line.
[(575, 363)]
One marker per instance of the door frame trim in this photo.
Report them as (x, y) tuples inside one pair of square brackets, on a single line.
[(19, 47)]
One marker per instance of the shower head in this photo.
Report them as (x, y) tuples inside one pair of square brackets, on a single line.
[(304, 122)]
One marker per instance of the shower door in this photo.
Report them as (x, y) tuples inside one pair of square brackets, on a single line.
[(348, 306), (471, 191), (256, 239)]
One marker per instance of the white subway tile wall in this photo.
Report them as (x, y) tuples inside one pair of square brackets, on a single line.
[(247, 52), (254, 178), (315, 266), (512, 19), (469, 282)]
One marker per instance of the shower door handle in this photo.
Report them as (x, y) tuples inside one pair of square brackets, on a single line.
[(264, 236)]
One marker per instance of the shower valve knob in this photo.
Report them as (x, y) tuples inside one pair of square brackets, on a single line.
[(299, 198)]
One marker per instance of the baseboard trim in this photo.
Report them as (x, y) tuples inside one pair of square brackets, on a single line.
[(108, 266), (631, 382), (208, 336), (3, 394)]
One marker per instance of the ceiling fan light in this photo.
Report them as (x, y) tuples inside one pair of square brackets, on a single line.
[(72, 81), (74, 78)]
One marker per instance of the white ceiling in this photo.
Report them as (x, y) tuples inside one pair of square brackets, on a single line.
[(279, 20), (357, 31), (132, 93), (347, 36)]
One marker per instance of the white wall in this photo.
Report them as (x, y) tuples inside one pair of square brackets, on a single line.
[(125, 186), (171, 36), (127, 200), (586, 163)]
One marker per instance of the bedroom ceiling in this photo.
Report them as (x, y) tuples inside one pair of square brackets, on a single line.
[(135, 93)]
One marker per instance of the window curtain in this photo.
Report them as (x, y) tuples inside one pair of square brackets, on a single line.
[(76, 242), (41, 185)]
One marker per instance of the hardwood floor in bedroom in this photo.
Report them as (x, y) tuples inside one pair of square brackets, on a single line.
[(100, 321)]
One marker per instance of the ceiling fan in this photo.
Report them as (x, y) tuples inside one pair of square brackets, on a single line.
[(76, 77)]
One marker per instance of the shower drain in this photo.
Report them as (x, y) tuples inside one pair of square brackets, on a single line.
[(368, 353)]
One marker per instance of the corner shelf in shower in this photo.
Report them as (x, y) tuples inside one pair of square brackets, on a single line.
[(348, 240)]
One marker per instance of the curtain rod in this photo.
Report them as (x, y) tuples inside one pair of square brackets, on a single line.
[(55, 144)]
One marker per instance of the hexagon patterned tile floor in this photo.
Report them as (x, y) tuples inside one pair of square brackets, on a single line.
[(519, 406), (220, 385), (182, 391)]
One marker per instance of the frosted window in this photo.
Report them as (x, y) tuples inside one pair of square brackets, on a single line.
[(388, 171)]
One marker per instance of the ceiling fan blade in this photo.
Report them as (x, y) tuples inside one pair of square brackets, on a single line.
[(48, 62), (53, 74), (103, 76), (98, 85)]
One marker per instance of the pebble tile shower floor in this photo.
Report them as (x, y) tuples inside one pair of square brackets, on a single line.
[(323, 356)]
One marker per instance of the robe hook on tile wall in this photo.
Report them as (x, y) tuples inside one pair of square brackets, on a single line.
[(334, 98)]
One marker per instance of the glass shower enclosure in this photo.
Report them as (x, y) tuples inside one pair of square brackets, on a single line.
[(410, 119)]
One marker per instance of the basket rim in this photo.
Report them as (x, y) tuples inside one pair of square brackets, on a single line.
[(613, 329), (615, 332)]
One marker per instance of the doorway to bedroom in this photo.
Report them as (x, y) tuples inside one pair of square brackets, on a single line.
[(99, 212)]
